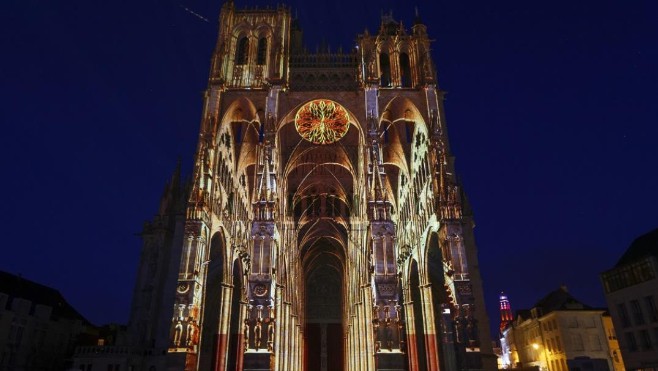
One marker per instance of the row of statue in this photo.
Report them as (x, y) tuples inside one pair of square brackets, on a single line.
[(253, 329)]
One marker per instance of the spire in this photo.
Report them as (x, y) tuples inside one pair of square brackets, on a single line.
[(264, 186), (417, 19), (171, 190), (381, 206), (175, 177), (418, 27)]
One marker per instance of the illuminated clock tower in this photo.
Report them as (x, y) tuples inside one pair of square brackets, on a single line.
[(323, 227)]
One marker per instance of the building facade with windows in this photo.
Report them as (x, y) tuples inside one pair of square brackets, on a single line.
[(631, 290), (38, 327), (560, 334)]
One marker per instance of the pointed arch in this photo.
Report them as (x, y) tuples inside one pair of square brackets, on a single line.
[(242, 118), (416, 335), (242, 50), (384, 69), (235, 350), (261, 53), (211, 347)]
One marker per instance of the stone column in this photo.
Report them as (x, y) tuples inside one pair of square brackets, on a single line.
[(412, 346), (223, 330), (368, 352), (278, 347), (430, 331)]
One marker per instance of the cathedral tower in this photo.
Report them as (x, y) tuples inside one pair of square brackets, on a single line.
[(323, 227), (506, 315)]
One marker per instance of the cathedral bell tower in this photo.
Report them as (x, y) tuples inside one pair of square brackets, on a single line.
[(323, 227)]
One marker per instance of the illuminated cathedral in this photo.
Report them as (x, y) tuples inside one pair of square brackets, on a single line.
[(323, 227)]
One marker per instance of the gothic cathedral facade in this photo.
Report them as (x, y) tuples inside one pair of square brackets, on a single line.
[(323, 227)]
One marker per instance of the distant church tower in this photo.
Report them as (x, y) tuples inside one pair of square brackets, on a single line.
[(506, 315), (323, 227)]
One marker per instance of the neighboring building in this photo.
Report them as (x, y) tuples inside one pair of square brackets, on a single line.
[(613, 343), (509, 354), (108, 352), (38, 328), (559, 334), (324, 227), (631, 289)]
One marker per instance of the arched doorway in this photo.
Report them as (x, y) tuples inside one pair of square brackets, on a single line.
[(214, 352), (442, 304), (320, 182), (418, 339), (235, 346), (210, 337), (323, 332)]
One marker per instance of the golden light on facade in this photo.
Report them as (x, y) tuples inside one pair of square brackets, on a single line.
[(322, 121)]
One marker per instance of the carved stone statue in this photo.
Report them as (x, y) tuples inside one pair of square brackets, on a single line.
[(178, 333), (270, 337), (245, 333), (257, 334)]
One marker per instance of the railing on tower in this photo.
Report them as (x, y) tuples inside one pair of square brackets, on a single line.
[(323, 70), (247, 76)]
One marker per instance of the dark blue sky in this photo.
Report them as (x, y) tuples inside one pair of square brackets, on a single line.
[(552, 111)]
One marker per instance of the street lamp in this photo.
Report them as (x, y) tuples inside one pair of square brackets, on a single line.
[(535, 346)]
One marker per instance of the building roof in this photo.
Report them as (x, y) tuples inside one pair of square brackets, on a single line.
[(560, 299), (643, 246), (18, 287)]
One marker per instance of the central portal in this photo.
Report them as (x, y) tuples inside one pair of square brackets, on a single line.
[(324, 340)]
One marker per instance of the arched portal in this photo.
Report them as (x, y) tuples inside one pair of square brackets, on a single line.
[(320, 179), (235, 345), (324, 282), (442, 304), (210, 331), (417, 341)]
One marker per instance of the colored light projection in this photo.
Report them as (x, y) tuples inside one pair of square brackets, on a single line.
[(322, 121)]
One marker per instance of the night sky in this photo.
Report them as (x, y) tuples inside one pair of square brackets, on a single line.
[(552, 112)]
